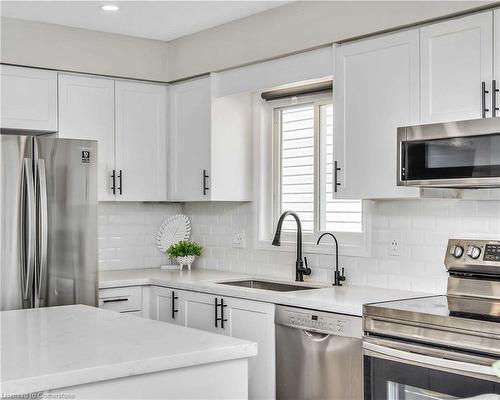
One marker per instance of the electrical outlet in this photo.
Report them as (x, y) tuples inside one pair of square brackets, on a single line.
[(395, 244), (239, 240)]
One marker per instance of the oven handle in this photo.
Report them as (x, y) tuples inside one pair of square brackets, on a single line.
[(431, 362)]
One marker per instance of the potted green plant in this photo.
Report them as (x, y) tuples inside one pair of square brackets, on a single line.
[(184, 253)]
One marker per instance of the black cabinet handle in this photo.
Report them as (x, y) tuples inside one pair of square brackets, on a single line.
[(494, 91), (336, 183), (113, 181), (484, 92), (221, 318), (174, 297), (216, 314), (120, 177), (205, 187), (115, 300)]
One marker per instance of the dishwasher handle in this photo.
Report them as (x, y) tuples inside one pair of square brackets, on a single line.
[(316, 336)]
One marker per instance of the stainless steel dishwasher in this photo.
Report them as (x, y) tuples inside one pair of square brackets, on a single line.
[(318, 355)]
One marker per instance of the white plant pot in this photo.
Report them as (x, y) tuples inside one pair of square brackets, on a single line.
[(187, 260)]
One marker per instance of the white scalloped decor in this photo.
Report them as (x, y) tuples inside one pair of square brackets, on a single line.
[(173, 230)]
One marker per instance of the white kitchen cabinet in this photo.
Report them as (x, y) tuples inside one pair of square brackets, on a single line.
[(29, 99), (122, 299), (254, 321), (87, 111), (189, 145), (496, 63), (243, 319), (164, 304), (456, 57), (376, 91), (210, 144), (141, 141), (129, 121), (198, 311)]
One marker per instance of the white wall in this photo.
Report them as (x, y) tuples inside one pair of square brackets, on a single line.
[(425, 226), (295, 27), (280, 31), (52, 46)]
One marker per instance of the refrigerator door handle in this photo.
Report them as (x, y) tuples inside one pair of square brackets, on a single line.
[(27, 229), (43, 230)]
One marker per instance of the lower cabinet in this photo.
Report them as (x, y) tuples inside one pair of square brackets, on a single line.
[(243, 319), (123, 300), (163, 304)]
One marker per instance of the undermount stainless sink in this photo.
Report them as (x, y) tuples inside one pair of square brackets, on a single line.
[(268, 285)]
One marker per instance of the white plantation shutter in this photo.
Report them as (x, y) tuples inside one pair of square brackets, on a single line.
[(297, 172), (297, 164)]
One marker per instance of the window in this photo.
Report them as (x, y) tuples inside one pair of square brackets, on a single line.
[(303, 168)]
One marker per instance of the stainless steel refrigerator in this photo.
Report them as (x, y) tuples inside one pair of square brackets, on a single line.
[(49, 221)]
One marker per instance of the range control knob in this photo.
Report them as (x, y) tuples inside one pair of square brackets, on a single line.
[(473, 252), (457, 251)]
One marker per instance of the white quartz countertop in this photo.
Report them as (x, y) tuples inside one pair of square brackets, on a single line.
[(347, 299), (56, 347)]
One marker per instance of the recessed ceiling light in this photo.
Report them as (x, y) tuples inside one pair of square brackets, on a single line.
[(109, 7)]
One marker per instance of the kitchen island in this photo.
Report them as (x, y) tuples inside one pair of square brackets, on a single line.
[(86, 352)]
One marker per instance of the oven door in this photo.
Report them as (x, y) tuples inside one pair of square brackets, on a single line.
[(404, 371)]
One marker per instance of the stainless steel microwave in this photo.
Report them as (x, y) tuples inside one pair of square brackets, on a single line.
[(461, 154)]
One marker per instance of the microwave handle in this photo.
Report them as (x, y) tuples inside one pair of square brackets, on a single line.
[(372, 349)]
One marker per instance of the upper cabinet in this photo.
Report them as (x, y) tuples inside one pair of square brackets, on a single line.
[(86, 111), (456, 62), (495, 107), (210, 147), (376, 91), (189, 156), (29, 99), (141, 141), (129, 121)]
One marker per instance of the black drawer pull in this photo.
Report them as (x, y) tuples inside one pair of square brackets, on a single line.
[(115, 300)]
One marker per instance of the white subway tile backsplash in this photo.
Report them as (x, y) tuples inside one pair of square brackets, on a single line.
[(127, 235), (425, 226)]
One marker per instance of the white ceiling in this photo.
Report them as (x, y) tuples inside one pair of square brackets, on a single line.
[(162, 20)]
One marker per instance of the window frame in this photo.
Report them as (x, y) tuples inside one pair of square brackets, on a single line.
[(350, 243)]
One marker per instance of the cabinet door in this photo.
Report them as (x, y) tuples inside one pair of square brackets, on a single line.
[(29, 99), (189, 146), (141, 141), (86, 111), (254, 321), (376, 87), (496, 63), (456, 56), (164, 305), (198, 311)]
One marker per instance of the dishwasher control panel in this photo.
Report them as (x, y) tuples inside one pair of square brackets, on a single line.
[(319, 321)]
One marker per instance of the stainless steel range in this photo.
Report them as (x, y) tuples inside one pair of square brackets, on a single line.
[(439, 347)]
